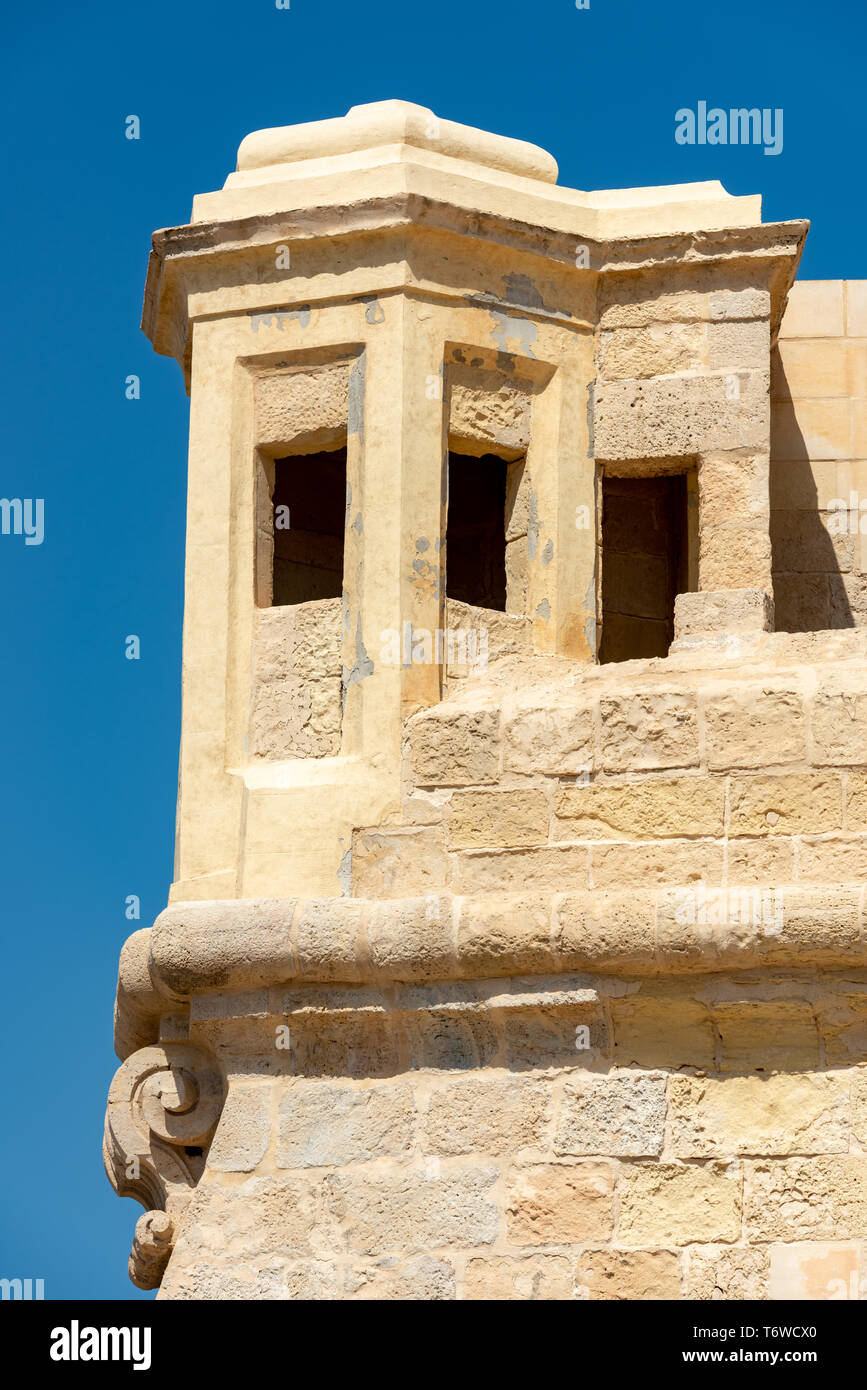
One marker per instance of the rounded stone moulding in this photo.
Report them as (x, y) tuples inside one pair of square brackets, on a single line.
[(394, 123)]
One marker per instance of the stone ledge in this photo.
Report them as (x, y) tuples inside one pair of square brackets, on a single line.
[(240, 945)]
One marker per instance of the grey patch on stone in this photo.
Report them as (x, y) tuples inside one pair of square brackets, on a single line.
[(301, 315), (543, 610), (363, 665), (507, 326), (358, 524), (591, 416), (548, 553), (344, 874), (374, 313), (422, 544), (524, 293), (355, 414), (532, 525)]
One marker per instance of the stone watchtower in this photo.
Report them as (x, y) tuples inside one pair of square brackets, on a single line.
[(515, 947)]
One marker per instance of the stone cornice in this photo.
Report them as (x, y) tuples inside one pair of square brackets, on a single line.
[(178, 252), (239, 945)]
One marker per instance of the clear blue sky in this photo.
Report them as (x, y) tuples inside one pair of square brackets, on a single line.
[(89, 745)]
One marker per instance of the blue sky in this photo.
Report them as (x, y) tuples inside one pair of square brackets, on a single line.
[(89, 746)]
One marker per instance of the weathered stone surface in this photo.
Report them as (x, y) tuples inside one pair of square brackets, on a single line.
[(651, 729), (758, 1115), (392, 1212), (399, 863), (490, 1115), (671, 1204), (722, 1272), (295, 710), (641, 810), (798, 803), (455, 749), (527, 1278), (324, 1124), (244, 1131), (558, 1203), (557, 740), (621, 1114), (742, 728), (807, 1199), (628, 1274), (491, 819)]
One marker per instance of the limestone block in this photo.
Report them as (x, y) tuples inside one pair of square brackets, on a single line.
[(486, 819), (487, 414), (244, 1131), (754, 726), (670, 416), (814, 310), (556, 740), (558, 1203), (399, 863), (726, 1272), (600, 925), (833, 860), (496, 928), (822, 1198), (328, 940), (760, 862), (856, 801), (859, 1107), (810, 367), (545, 1277), (624, 865), (416, 941), (840, 722), (324, 1124), (788, 804), (557, 867), (765, 1035), (655, 350), (628, 1274), (491, 1115), (621, 1115), (385, 1212), (455, 748), (734, 559), (856, 308), (673, 1204), (812, 429), (296, 694), (762, 1115), (723, 611), (649, 729), (308, 409), (816, 1270), (641, 810), (662, 1030), (733, 490), (419, 1279)]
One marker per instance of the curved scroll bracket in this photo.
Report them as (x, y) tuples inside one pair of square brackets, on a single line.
[(163, 1108)]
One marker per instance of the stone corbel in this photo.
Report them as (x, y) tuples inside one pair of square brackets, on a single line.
[(163, 1108)]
